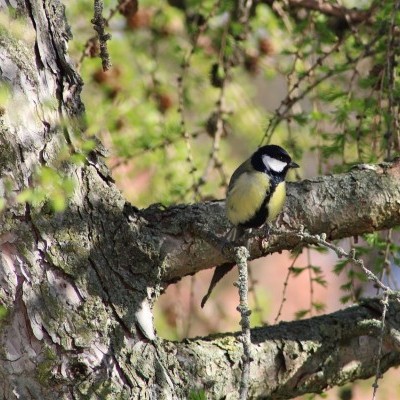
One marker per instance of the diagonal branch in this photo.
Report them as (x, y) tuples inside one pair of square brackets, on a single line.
[(298, 357), (366, 199)]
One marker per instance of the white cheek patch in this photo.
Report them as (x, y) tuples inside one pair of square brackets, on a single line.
[(273, 163)]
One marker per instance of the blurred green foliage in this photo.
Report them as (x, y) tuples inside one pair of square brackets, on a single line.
[(196, 86), (49, 186), (305, 79)]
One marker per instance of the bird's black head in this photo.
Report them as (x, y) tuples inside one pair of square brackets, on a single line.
[(272, 159)]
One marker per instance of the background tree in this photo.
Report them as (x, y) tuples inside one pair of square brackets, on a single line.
[(185, 99)]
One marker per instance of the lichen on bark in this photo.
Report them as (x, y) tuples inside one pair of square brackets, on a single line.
[(72, 281)]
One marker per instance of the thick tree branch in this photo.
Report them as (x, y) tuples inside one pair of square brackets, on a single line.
[(73, 281), (363, 200), (298, 357)]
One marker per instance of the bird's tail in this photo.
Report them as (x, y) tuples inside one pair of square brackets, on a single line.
[(233, 237), (219, 273)]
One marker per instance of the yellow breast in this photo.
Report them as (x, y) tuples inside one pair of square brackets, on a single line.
[(246, 196), (276, 201)]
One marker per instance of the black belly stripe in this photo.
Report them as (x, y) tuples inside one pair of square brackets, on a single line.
[(261, 215)]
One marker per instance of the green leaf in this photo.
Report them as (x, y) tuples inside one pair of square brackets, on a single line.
[(297, 270), (321, 281), (301, 314), (340, 266), (319, 307), (347, 287), (345, 299)]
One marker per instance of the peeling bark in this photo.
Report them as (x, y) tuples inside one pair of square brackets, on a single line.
[(71, 283)]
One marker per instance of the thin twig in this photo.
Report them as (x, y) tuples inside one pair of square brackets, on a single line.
[(378, 375), (99, 24), (286, 104), (181, 106), (152, 148), (310, 279), (321, 240), (386, 270), (393, 140), (91, 43), (241, 257), (285, 285)]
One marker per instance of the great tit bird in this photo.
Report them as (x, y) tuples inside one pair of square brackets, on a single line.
[(256, 194), (256, 191)]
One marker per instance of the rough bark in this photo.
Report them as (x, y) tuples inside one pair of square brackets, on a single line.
[(363, 200), (294, 358), (71, 283)]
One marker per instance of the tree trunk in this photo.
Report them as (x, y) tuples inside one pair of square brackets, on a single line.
[(75, 285)]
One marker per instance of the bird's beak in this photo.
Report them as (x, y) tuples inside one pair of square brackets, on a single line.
[(294, 165)]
